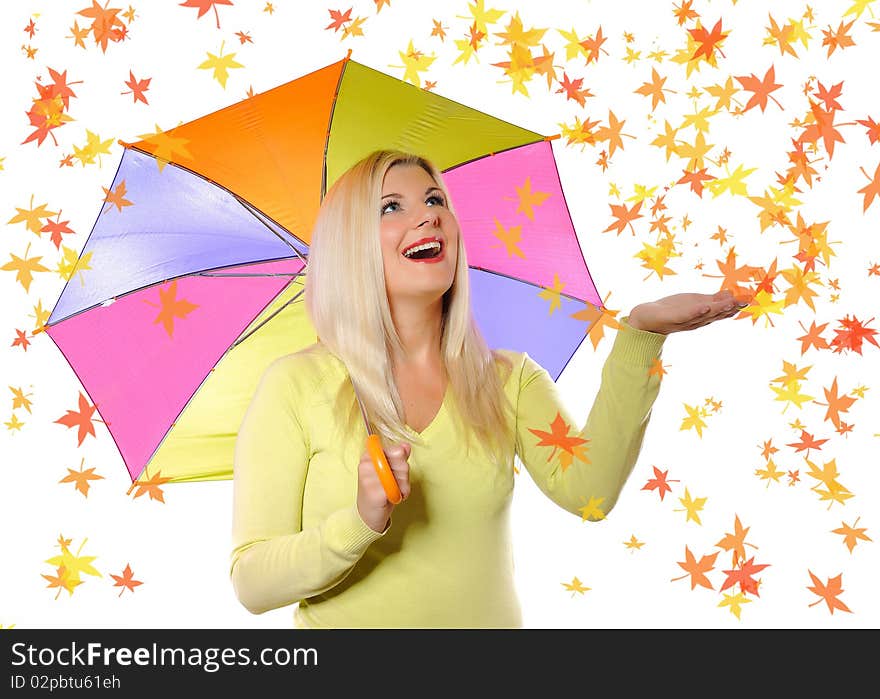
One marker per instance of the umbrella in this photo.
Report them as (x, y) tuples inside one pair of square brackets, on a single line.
[(190, 282)]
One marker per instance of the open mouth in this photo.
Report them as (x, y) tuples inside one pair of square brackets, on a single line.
[(424, 250)]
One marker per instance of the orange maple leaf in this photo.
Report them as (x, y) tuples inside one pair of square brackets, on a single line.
[(851, 335), (659, 482), (851, 535), (81, 478), (117, 197), (873, 129), (339, 19), (82, 419), (106, 26), (624, 216), (205, 5), (171, 307), (56, 229), (872, 189), (138, 88), (836, 404), (572, 89), (62, 580), (838, 39), (697, 569), (695, 179), (126, 581), (829, 592), (150, 487), (813, 337), (743, 576), (653, 89), (594, 46), (761, 89), (822, 127), (21, 339), (558, 437), (736, 542), (807, 442), (708, 41)]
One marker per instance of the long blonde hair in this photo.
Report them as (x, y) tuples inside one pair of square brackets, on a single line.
[(346, 299)]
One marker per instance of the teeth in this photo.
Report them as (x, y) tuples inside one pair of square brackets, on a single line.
[(424, 246)]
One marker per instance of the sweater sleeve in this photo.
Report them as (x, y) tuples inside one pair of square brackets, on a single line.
[(274, 561), (584, 470)]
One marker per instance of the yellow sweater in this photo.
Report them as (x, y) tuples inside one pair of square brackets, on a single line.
[(446, 559)]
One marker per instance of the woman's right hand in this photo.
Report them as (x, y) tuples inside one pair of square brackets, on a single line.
[(373, 505)]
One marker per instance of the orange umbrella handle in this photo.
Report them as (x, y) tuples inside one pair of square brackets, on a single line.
[(386, 476)]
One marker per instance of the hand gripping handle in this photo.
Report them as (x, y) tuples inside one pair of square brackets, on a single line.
[(386, 475)]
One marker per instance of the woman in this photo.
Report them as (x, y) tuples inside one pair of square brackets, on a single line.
[(387, 291)]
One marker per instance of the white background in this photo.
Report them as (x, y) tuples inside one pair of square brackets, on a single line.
[(180, 549)]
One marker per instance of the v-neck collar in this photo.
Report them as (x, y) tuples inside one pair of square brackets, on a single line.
[(436, 417)]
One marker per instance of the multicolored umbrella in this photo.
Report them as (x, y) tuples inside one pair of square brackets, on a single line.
[(190, 281)]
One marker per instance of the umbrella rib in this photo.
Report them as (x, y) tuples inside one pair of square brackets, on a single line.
[(523, 281), (345, 62), (254, 211), (266, 320)]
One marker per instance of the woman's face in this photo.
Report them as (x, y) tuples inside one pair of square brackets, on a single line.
[(415, 219)]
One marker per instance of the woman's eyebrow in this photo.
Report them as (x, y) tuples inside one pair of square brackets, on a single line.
[(428, 190)]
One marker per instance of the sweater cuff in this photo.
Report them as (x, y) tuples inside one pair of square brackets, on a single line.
[(345, 529), (637, 346)]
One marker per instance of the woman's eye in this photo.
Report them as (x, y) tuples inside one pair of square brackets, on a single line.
[(437, 198), (386, 207)]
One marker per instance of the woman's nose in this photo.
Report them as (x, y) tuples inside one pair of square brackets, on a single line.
[(429, 218)]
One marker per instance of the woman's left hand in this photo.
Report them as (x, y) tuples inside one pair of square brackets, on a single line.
[(686, 311)]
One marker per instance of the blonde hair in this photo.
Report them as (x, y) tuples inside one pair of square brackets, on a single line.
[(346, 300)]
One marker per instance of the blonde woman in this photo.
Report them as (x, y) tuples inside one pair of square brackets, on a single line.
[(312, 524)]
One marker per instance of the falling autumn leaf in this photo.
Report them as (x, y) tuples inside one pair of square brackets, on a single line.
[(205, 5), (81, 419), (659, 482), (150, 487), (851, 534), (829, 592), (742, 575), (138, 88), (697, 569), (81, 478), (576, 587), (126, 581)]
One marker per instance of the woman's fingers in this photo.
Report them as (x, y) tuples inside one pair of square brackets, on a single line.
[(398, 455)]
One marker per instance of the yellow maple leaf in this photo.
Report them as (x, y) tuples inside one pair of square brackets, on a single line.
[(735, 602), (20, 399), (791, 394), (220, 64), (165, 146), (14, 423), (762, 304), (591, 511), (414, 63), (552, 294), (481, 16), (576, 587), (71, 263), (692, 506), (75, 565), (93, 149), (24, 267), (31, 217), (734, 182), (694, 420), (633, 544), (770, 473)]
